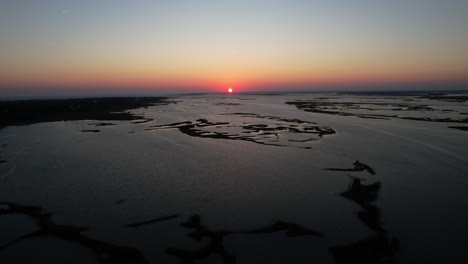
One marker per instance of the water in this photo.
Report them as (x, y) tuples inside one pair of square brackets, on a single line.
[(243, 179)]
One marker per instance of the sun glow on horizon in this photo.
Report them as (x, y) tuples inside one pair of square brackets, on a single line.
[(169, 47)]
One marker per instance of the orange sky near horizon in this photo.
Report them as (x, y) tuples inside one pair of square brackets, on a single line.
[(248, 45)]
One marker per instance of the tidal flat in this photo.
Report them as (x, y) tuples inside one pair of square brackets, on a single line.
[(235, 178)]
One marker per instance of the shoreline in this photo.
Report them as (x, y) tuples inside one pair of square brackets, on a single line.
[(27, 112)]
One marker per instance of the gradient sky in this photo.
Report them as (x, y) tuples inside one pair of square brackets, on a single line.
[(208, 45)]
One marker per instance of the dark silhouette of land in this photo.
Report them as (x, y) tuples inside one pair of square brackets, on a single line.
[(381, 247), (251, 132), (215, 245), (345, 109), (159, 219), (105, 252), (26, 112), (465, 128), (358, 166)]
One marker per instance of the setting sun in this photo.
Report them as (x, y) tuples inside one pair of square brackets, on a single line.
[(230, 90)]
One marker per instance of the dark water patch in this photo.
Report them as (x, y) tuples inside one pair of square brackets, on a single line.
[(91, 131), (377, 249), (358, 166), (28, 112), (105, 252), (121, 201), (159, 219), (465, 128)]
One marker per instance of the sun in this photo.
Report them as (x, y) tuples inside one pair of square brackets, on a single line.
[(230, 90)]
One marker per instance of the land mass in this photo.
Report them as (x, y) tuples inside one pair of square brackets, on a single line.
[(27, 112)]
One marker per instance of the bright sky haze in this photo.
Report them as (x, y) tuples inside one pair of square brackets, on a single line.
[(208, 45)]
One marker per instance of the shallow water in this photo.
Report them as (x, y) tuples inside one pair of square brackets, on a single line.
[(249, 163)]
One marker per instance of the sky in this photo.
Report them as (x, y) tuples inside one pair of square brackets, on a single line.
[(125, 46)]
